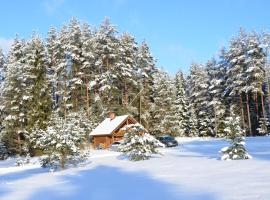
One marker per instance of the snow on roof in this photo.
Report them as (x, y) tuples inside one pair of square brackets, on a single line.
[(108, 126)]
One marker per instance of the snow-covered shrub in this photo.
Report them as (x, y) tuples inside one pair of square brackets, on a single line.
[(62, 140), (234, 132), (138, 144), (263, 126), (23, 160)]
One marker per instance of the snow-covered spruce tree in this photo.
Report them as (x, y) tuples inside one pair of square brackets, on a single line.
[(105, 45), (216, 80), (192, 122), (199, 98), (37, 92), (12, 102), (263, 126), (138, 144), (146, 69), (62, 140), (236, 58), (181, 105), (2, 71), (235, 134), (126, 72), (163, 119), (55, 57)]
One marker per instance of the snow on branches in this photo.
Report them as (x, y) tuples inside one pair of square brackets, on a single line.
[(138, 144)]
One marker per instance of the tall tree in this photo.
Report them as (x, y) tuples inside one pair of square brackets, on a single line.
[(13, 99), (181, 105)]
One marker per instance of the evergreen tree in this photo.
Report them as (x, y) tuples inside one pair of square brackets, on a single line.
[(216, 78), (105, 47), (163, 119), (61, 141), (138, 144), (13, 105), (200, 99), (181, 105), (263, 128), (2, 71), (235, 134), (37, 92), (146, 69)]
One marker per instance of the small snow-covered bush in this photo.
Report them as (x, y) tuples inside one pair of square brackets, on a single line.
[(61, 141), (234, 132), (23, 160), (138, 144)]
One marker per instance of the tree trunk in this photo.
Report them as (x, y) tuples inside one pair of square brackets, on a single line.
[(248, 113), (19, 145), (262, 101), (65, 100), (257, 106), (242, 111), (63, 160), (87, 98)]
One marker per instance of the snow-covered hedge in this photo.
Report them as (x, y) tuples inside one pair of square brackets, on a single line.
[(138, 144)]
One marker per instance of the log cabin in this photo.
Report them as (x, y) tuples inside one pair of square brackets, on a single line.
[(110, 131)]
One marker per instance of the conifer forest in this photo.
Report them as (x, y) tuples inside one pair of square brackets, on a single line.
[(79, 73)]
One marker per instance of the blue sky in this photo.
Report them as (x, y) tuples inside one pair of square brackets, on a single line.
[(178, 31)]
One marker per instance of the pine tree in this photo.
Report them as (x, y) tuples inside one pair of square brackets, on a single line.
[(105, 47), (138, 144), (37, 92), (2, 71), (181, 105), (126, 71), (13, 107), (263, 128), (216, 78), (146, 69), (163, 119), (199, 99), (61, 141), (235, 134)]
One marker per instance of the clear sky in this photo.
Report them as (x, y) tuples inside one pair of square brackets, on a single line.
[(178, 31)]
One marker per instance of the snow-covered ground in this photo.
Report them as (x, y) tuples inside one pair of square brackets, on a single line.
[(191, 171)]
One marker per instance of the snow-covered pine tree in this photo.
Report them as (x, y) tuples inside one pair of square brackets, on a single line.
[(105, 45), (235, 83), (263, 128), (181, 105), (235, 134), (62, 72), (126, 72), (192, 122), (53, 47), (138, 144), (216, 78), (2, 71), (12, 102), (163, 119), (255, 76), (88, 70), (37, 92), (199, 98), (146, 69), (62, 140), (76, 59)]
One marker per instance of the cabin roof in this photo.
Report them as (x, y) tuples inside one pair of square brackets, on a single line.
[(108, 126)]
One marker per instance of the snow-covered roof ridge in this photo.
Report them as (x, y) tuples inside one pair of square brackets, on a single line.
[(108, 126)]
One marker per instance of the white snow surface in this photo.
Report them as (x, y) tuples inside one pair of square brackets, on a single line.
[(191, 171), (108, 126)]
